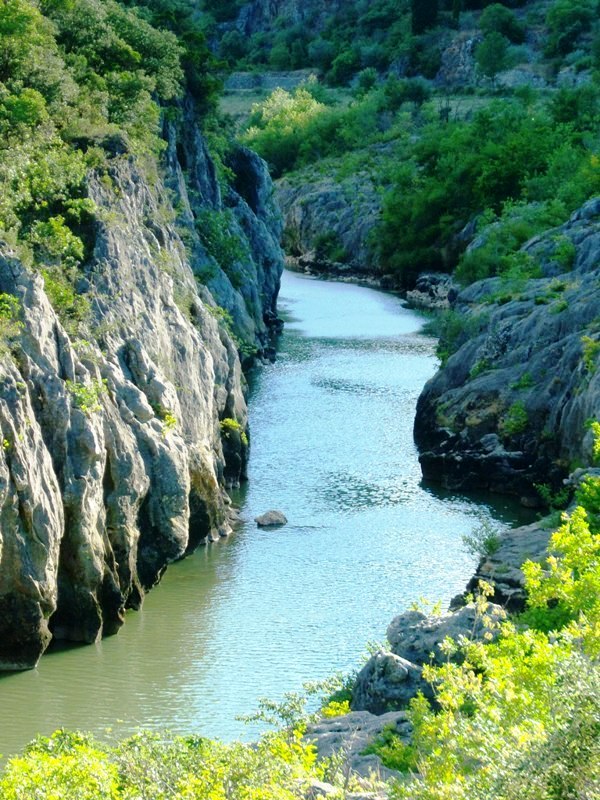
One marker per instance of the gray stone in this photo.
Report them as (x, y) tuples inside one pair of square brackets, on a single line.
[(319, 789), (271, 519), (387, 681), (390, 680), (523, 351), (96, 500), (348, 736)]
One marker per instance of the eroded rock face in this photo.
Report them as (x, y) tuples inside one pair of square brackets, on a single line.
[(112, 464), (328, 223), (509, 408), (260, 15), (390, 680)]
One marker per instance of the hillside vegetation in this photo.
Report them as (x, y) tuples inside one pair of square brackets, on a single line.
[(462, 155), (80, 79)]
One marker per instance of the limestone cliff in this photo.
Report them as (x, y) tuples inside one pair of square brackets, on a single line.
[(328, 222), (259, 15), (510, 406), (114, 463)]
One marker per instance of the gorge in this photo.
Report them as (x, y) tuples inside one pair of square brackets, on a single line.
[(445, 152), (331, 427)]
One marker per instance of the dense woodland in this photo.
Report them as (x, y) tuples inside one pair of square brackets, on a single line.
[(82, 81)]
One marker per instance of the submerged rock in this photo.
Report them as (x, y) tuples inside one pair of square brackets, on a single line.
[(271, 519)]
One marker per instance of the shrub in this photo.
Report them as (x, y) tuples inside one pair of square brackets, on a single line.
[(86, 396), (492, 54), (500, 19), (516, 420), (483, 541), (10, 324), (566, 21)]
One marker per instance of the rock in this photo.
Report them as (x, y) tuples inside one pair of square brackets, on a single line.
[(112, 465), (416, 636), (258, 16), (433, 291), (390, 680), (508, 409), (458, 62), (386, 682), (348, 736), (328, 222), (271, 519), (318, 789), (503, 569)]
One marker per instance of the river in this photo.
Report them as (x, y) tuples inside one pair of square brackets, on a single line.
[(262, 612)]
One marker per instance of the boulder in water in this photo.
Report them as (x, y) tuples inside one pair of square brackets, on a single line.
[(271, 519)]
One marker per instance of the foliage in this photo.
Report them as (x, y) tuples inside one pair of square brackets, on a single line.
[(492, 54), (484, 541), (567, 20), (497, 18), (515, 420), (86, 396), (517, 172), (75, 767), (453, 329), (336, 709), (77, 76), (218, 234), (10, 323), (72, 309), (229, 426), (590, 350), (394, 752)]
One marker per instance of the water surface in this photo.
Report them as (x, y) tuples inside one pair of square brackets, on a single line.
[(262, 612)]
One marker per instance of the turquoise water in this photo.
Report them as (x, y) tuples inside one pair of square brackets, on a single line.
[(262, 612)]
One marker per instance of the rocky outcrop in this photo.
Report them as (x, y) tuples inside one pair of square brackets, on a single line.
[(112, 465), (502, 568), (328, 222), (390, 679), (347, 736), (509, 408), (458, 66), (258, 16), (434, 291)]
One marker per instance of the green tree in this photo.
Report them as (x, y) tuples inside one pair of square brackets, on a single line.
[(497, 18), (492, 55)]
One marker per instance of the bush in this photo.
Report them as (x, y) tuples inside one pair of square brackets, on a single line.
[(516, 420), (567, 20), (344, 67), (499, 19)]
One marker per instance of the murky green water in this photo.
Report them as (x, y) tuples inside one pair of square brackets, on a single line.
[(264, 611)]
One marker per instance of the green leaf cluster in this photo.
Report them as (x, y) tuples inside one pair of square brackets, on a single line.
[(73, 766)]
